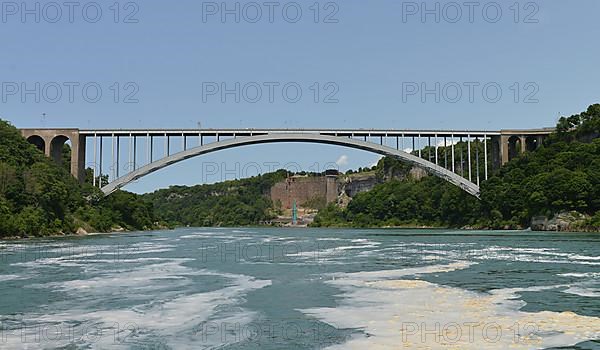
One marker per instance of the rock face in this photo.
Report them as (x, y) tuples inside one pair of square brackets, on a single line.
[(337, 188), (357, 183), (562, 222), (417, 173)]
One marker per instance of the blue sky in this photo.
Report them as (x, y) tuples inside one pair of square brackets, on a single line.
[(365, 62)]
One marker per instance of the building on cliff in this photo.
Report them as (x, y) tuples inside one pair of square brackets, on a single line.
[(305, 189)]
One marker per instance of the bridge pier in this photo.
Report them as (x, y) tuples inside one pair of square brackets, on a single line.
[(496, 143), (526, 140), (51, 142)]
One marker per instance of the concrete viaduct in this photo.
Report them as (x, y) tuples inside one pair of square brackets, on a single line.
[(123, 156)]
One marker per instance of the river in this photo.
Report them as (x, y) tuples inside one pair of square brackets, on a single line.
[(302, 289)]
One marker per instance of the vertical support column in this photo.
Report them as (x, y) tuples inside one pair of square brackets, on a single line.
[(462, 160), (496, 152), (151, 148), (129, 155), (134, 153), (118, 155), (101, 156), (505, 149), (469, 157), (523, 140), (453, 158), (166, 150), (429, 149), (477, 159), (419, 145), (540, 142), (485, 155), (112, 159), (78, 156), (436, 149), (445, 152), (148, 149), (402, 142), (48, 146), (95, 159)]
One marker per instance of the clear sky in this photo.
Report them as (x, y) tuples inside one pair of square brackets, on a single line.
[(363, 65)]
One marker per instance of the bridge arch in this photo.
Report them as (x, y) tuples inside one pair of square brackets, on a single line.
[(56, 147), (532, 143), (515, 146), (436, 170), (38, 142)]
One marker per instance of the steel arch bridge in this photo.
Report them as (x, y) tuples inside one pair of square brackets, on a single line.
[(143, 145)]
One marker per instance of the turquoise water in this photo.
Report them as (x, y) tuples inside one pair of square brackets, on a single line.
[(302, 289)]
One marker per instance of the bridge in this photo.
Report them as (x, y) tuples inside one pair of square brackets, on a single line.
[(147, 151)]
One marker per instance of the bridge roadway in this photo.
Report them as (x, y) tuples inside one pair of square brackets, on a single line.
[(504, 146), (256, 132)]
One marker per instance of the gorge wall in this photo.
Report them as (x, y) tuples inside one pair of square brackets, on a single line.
[(340, 188)]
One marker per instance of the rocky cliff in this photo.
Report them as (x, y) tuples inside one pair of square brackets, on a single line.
[(563, 222)]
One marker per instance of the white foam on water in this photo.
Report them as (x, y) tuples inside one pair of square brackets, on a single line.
[(241, 231), (397, 313), (78, 256), (171, 316), (11, 277), (540, 255), (201, 234), (581, 275), (146, 277), (584, 291)]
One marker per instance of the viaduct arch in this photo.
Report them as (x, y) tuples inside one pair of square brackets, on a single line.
[(51, 142)]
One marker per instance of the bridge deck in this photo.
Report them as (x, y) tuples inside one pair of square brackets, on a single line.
[(257, 132)]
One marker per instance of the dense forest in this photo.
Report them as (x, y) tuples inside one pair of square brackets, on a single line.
[(562, 175), (38, 197)]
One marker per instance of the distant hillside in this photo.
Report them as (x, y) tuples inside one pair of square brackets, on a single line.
[(231, 203)]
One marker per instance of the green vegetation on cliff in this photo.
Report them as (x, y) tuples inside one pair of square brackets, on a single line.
[(562, 175), (230, 203), (38, 197), (430, 201)]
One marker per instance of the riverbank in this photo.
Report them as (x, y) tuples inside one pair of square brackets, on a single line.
[(81, 232), (304, 227)]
